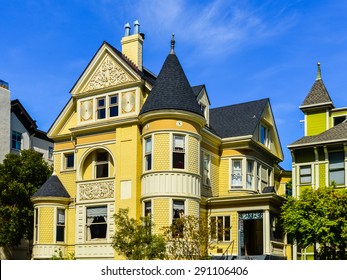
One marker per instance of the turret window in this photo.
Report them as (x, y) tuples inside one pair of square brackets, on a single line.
[(148, 153), (178, 154), (60, 229)]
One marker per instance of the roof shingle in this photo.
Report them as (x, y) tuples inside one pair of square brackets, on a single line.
[(171, 90), (52, 187), (237, 120)]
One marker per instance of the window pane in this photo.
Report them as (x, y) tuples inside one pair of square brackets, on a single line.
[(148, 145), (236, 173), (148, 165), (338, 176), (102, 170), (101, 113), (69, 161), (113, 111), (148, 208), (101, 102), (178, 160), (213, 221), (178, 143), (336, 160), (305, 170), (227, 228), (220, 227), (114, 100), (102, 156), (96, 222), (60, 233)]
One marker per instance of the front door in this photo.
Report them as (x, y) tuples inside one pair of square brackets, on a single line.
[(250, 233)]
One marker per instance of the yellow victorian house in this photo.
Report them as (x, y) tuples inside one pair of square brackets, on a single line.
[(130, 139)]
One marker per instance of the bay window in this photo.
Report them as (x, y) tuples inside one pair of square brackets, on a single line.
[(236, 173)]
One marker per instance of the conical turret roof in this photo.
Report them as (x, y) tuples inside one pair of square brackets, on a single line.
[(171, 90), (318, 95)]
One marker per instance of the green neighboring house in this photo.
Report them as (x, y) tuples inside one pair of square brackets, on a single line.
[(320, 157)]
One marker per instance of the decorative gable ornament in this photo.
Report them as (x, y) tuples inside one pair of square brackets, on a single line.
[(108, 74)]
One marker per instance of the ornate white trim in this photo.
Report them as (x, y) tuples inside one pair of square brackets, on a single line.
[(108, 74), (96, 190)]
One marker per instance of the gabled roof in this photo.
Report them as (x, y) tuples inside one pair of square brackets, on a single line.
[(318, 95), (334, 134), (53, 187), (237, 120), (198, 89), (147, 75), (30, 125), (171, 90)]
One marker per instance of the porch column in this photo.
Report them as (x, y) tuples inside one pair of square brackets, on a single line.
[(266, 232)]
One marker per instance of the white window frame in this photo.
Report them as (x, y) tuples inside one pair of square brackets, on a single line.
[(36, 225), (112, 105), (206, 169), (216, 230), (267, 135), (88, 224), (304, 174), (57, 224), (250, 184), (175, 150), (16, 134), (239, 174), (148, 154), (65, 160), (97, 163)]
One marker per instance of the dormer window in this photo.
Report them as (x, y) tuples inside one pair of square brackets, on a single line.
[(264, 135)]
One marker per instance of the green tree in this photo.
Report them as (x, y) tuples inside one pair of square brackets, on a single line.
[(20, 177), (188, 238), (134, 238), (319, 218)]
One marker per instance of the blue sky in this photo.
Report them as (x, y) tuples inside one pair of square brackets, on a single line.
[(241, 50)]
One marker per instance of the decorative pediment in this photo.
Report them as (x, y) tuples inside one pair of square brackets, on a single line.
[(108, 74)]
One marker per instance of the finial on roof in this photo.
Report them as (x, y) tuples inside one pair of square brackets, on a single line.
[(319, 74), (172, 44)]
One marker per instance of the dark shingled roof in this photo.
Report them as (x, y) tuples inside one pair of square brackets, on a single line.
[(52, 187), (197, 89), (237, 120), (336, 133), (171, 90), (317, 95)]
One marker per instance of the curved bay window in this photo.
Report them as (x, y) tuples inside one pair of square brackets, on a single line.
[(96, 218), (177, 223)]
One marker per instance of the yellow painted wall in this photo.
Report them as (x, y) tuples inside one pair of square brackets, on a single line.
[(46, 227), (161, 207), (322, 176), (161, 151), (171, 124), (95, 138), (316, 123), (72, 122), (224, 177), (193, 155)]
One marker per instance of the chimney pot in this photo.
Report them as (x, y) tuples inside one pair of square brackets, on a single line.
[(136, 27), (127, 29)]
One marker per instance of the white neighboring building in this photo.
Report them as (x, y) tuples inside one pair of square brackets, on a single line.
[(5, 123), (18, 131)]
